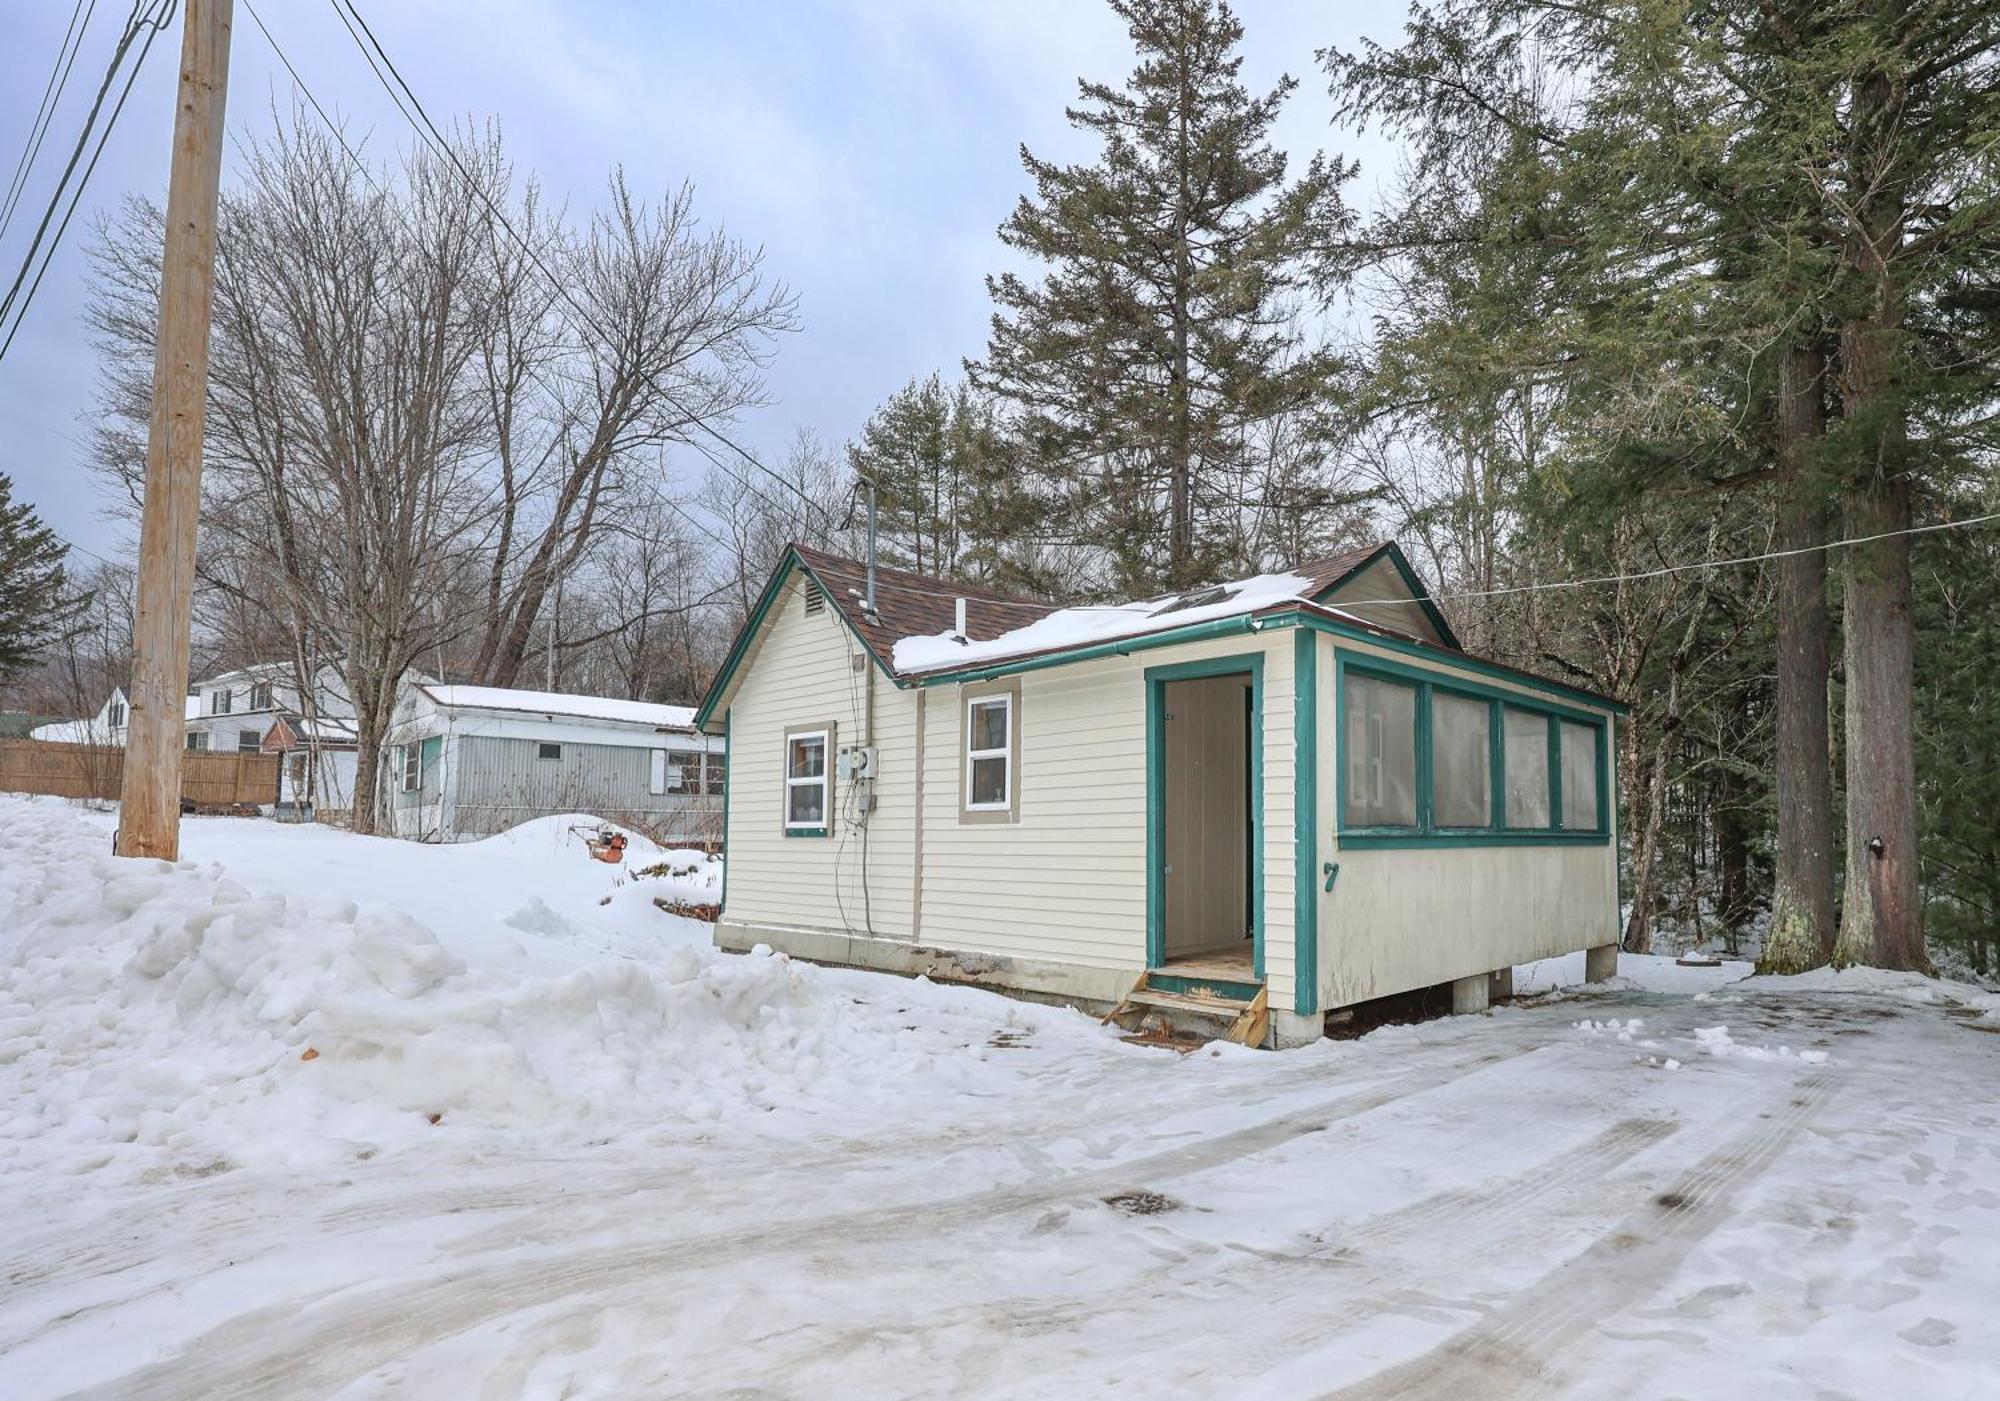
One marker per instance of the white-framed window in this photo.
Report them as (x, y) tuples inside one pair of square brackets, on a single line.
[(411, 757), (656, 779), (684, 775), (114, 714), (221, 702), (248, 741), (806, 781), (197, 740), (717, 773), (260, 696), (989, 753)]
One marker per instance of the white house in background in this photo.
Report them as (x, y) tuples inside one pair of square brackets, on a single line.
[(260, 709), (462, 762), (1256, 802), (109, 726)]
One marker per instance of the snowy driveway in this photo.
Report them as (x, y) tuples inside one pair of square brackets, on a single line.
[(1547, 1200)]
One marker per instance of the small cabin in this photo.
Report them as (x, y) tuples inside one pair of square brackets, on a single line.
[(1284, 795)]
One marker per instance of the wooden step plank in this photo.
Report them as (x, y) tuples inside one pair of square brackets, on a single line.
[(1228, 1008)]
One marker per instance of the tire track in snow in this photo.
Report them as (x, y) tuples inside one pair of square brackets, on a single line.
[(314, 1345), (1484, 1211), (1513, 1351)]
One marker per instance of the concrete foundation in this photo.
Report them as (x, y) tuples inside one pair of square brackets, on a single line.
[(1091, 989), (1290, 1029), (1600, 965), (1500, 985), (1470, 994)]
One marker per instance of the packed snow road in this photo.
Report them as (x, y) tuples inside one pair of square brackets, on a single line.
[(659, 1171)]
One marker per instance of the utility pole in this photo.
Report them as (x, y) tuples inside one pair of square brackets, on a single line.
[(150, 793)]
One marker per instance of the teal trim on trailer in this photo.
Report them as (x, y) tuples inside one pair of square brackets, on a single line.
[(1305, 820), (1157, 677)]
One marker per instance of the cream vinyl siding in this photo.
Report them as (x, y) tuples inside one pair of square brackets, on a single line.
[(1410, 918), (1364, 596), (803, 675), (1067, 882)]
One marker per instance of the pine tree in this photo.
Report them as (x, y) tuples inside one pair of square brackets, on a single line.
[(35, 602), (945, 474), (1162, 334)]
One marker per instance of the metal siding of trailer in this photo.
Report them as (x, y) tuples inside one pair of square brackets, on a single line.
[(502, 782)]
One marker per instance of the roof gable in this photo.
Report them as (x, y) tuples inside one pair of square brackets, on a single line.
[(1381, 588)]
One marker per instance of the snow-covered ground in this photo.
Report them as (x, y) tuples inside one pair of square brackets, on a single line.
[(317, 1115)]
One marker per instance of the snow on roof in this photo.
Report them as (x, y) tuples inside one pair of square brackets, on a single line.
[(69, 732), (1092, 623), (673, 717)]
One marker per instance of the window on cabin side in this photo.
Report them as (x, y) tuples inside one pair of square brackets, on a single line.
[(412, 759), (1527, 767), (805, 780), (1579, 774), (989, 754), (1461, 761), (546, 750), (717, 773), (1381, 724)]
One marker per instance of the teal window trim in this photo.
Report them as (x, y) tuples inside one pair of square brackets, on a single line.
[(722, 901), (1426, 832), (1157, 677), (1305, 820)]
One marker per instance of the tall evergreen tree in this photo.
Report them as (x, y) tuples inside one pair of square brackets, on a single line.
[(35, 599), (944, 471), (1162, 334), (1805, 196)]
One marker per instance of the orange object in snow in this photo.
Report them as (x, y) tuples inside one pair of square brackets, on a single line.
[(607, 846)]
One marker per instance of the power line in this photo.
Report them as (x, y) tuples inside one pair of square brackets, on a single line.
[(52, 92), (151, 24), (1594, 581), (427, 131)]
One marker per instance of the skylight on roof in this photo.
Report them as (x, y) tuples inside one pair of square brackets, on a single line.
[(1198, 598)]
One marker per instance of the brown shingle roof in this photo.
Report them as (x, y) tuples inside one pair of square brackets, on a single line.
[(914, 605)]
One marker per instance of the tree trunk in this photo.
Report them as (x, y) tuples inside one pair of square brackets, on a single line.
[(1881, 920), (367, 767), (1802, 918)]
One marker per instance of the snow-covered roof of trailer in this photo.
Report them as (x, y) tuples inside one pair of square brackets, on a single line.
[(624, 712)]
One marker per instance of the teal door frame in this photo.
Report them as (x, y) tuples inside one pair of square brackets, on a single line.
[(1249, 664)]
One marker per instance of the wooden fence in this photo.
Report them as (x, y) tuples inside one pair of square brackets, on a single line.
[(95, 771)]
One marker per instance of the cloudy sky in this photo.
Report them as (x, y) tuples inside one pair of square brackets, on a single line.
[(870, 146)]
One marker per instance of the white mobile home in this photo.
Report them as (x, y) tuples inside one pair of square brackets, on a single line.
[(462, 762), (1291, 794)]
